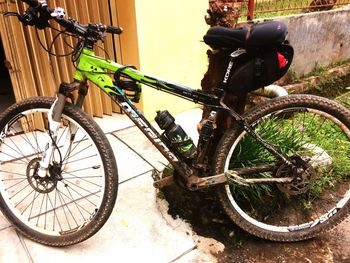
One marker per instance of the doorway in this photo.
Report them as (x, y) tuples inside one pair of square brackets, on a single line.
[(7, 96)]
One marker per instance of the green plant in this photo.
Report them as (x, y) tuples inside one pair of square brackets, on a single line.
[(296, 134)]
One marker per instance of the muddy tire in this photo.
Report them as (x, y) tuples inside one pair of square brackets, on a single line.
[(314, 133), (76, 197)]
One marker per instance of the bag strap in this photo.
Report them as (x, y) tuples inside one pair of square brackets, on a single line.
[(259, 64), (234, 55)]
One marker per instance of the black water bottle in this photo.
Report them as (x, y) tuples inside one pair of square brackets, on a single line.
[(176, 135)]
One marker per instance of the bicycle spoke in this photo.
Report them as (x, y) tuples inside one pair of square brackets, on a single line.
[(75, 154), (54, 212), (64, 211), (70, 212), (73, 149), (25, 138), (70, 184), (36, 195), (81, 178), (82, 159), (12, 186)]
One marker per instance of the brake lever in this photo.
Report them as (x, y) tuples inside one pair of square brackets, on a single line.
[(7, 14)]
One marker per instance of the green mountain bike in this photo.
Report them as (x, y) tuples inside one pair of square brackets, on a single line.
[(281, 173)]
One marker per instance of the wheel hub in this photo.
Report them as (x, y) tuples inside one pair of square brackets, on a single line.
[(45, 184)]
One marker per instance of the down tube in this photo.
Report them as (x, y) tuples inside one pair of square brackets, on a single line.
[(92, 68), (151, 133)]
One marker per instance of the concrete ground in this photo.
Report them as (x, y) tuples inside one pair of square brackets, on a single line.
[(139, 229)]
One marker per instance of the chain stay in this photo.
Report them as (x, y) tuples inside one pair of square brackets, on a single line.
[(231, 177)]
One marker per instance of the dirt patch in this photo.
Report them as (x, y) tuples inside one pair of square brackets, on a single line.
[(207, 219)]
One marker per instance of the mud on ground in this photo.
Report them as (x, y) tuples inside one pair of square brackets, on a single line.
[(203, 212)]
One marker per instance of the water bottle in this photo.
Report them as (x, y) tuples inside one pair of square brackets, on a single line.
[(176, 135)]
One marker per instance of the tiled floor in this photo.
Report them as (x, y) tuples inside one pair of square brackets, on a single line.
[(136, 231)]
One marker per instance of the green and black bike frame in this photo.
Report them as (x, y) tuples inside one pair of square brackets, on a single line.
[(99, 70)]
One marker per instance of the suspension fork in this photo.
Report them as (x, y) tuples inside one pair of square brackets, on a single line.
[(54, 122)]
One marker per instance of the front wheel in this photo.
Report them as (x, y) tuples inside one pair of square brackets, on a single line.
[(314, 133), (77, 195)]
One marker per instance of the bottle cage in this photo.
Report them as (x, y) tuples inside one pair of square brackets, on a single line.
[(132, 88)]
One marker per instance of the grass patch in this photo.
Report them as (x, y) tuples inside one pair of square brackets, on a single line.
[(300, 133)]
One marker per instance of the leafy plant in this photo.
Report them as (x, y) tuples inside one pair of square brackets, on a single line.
[(308, 135)]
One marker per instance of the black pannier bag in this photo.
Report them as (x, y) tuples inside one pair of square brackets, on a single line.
[(259, 68)]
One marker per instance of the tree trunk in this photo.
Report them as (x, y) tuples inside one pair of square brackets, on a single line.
[(220, 13)]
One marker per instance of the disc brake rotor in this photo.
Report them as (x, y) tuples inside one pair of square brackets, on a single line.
[(42, 185)]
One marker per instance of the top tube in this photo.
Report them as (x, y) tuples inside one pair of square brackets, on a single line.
[(96, 69)]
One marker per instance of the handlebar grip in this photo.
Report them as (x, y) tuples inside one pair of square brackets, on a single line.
[(114, 30), (32, 3)]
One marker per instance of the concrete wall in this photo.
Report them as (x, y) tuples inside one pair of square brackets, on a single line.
[(319, 38)]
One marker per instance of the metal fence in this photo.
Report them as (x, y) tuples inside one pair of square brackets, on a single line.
[(268, 8)]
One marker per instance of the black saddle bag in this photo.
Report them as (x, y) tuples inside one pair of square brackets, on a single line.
[(259, 68)]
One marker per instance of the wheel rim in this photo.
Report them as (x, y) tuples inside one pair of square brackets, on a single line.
[(274, 208), (70, 196)]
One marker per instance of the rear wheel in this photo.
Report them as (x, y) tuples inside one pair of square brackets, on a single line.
[(314, 133), (77, 195)]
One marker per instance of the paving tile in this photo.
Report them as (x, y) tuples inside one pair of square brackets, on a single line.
[(113, 123), (136, 232), (4, 223), (11, 248), (139, 143), (128, 162)]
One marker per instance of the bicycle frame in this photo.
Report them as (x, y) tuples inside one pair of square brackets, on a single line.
[(93, 68), (97, 70)]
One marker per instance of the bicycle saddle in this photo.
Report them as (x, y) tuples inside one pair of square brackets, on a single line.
[(261, 34)]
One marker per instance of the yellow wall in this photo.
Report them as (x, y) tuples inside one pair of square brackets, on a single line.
[(169, 38)]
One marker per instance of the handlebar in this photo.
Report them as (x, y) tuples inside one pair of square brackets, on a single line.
[(114, 30), (38, 14)]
